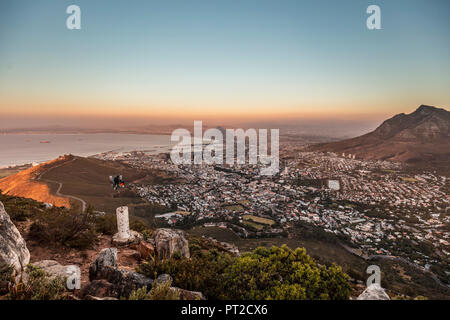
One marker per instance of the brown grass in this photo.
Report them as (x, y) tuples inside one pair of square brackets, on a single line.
[(84, 178), (23, 184)]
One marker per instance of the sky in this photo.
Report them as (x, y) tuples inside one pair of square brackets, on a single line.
[(220, 60)]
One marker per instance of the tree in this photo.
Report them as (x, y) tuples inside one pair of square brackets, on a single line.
[(282, 273), (266, 273)]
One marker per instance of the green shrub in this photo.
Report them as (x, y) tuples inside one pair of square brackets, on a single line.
[(106, 224), (203, 272), (69, 227), (147, 234), (21, 209), (138, 294), (160, 291), (282, 273), (38, 286), (265, 273), (6, 273), (138, 225)]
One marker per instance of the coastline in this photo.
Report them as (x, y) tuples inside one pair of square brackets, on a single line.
[(21, 151)]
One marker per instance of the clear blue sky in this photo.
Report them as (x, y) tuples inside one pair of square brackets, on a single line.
[(223, 58)]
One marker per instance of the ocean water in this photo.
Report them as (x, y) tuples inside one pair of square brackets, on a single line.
[(16, 149)]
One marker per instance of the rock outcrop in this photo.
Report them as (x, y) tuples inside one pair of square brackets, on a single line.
[(13, 249), (231, 248), (106, 258), (114, 282), (55, 269), (99, 289), (188, 295), (145, 249), (420, 137), (169, 241), (164, 278), (374, 292)]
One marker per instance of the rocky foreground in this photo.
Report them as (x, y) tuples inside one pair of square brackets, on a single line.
[(111, 274), (107, 278)]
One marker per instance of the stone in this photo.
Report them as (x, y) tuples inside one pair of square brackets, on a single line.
[(164, 278), (374, 292), (134, 238), (99, 288), (123, 281), (169, 241), (55, 269), (231, 248), (189, 295), (89, 297), (71, 296), (13, 249), (146, 250), (106, 257)]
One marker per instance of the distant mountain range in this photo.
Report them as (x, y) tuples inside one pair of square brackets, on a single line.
[(421, 137)]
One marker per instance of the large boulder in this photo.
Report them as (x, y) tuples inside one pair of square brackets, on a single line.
[(123, 282), (13, 249), (169, 241), (106, 258), (374, 292), (55, 269)]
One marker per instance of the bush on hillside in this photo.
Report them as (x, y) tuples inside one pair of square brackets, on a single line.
[(106, 224), (68, 227), (281, 273), (20, 209), (39, 286), (203, 272), (160, 291), (265, 273), (6, 273)]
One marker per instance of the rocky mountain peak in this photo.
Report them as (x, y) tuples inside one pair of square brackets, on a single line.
[(421, 137), (424, 123)]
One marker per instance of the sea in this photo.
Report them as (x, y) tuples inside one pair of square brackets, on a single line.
[(18, 149)]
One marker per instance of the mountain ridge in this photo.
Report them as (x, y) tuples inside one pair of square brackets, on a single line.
[(416, 138)]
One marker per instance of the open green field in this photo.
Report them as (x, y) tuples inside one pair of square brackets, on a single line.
[(244, 202), (409, 179), (254, 225), (236, 208), (260, 220), (183, 213)]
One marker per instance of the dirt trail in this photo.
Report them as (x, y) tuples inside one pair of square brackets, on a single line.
[(60, 185)]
